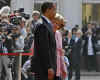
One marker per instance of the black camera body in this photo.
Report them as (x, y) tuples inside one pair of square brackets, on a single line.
[(23, 14), (15, 35), (2, 37), (16, 20), (5, 27)]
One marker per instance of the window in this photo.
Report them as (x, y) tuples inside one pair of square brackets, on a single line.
[(91, 12), (37, 6)]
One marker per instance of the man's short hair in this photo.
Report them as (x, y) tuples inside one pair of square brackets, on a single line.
[(45, 6)]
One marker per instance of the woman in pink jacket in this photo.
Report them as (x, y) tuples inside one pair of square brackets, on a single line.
[(59, 23)]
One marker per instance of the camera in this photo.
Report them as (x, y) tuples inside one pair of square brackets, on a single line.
[(16, 19), (15, 35), (2, 37), (5, 27), (26, 16), (23, 14)]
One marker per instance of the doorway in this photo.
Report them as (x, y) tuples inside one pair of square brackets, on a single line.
[(91, 12)]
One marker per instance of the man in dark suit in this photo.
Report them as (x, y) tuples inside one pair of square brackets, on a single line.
[(76, 53), (44, 59), (90, 51)]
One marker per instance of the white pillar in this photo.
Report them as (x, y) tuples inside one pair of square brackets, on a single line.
[(26, 4), (72, 11)]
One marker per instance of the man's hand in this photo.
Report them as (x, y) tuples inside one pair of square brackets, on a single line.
[(51, 74)]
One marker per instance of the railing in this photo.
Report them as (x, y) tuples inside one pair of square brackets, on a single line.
[(16, 54)]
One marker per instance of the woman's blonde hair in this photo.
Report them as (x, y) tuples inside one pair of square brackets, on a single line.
[(60, 17), (61, 20)]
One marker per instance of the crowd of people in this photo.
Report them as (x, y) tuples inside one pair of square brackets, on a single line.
[(15, 37), (57, 52), (82, 42)]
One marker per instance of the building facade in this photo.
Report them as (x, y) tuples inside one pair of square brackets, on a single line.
[(26, 4), (74, 11), (91, 11)]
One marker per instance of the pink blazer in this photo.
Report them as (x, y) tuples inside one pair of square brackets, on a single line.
[(60, 58)]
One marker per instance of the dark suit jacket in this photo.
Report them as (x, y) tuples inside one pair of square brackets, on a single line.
[(85, 47), (76, 52), (44, 50), (67, 45)]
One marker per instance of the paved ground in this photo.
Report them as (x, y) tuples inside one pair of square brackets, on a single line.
[(90, 76), (85, 73)]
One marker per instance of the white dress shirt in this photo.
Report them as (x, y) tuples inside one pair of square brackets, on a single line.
[(23, 32), (47, 19), (76, 39), (90, 46)]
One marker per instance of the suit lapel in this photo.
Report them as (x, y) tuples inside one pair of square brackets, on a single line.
[(48, 26)]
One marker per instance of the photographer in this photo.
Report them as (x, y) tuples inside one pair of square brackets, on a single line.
[(1, 42), (3, 48), (18, 48), (23, 28), (5, 71), (6, 26), (28, 40), (35, 21), (19, 33)]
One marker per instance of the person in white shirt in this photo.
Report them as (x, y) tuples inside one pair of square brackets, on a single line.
[(91, 59), (89, 50), (26, 68), (23, 28)]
